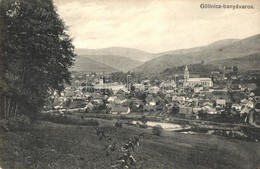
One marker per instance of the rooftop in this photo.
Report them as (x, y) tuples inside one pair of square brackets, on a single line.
[(199, 79)]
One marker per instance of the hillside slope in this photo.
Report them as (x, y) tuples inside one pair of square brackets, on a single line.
[(217, 44), (117, 62), (83, 64), (215, 51), (134, 54), (48, 145), (250, 62)]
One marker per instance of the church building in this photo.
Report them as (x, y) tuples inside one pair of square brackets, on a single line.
[(192, 82)]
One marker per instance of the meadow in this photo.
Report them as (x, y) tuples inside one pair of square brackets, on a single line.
[(49, 145)]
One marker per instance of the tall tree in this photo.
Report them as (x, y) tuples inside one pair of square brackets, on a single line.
[(35, 52), (235, 68)]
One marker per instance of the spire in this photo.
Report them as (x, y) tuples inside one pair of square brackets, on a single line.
[(186, 75), (186, 68), (186, 71)]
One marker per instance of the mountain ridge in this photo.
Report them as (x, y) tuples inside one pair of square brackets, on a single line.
[(134, 54), (130, 59), (83, 64), (250, 62), (217, 51), (117, 62)]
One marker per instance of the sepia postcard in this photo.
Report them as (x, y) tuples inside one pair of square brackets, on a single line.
[(129, 84)]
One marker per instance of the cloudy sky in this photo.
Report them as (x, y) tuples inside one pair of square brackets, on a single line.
[(156, 26)]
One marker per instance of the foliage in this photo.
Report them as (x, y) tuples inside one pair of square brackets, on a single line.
[(119, 124), (144, 126), (35, 52), (157, 130), (135, 107), (140, 95), (107, 92), (15, 123), (235, 68), (122, 77), (66, 119), (236, 97), (175, 110), (202, 115), (68, 103), (132, 88), (143, 119), (239, 135), (199, 68), (227, 117)]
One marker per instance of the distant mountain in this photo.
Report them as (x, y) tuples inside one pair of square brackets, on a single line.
[(224, 49), (83, 64), (224, 42), (201, 48), (250, 62), (117, 62), (134, 54)]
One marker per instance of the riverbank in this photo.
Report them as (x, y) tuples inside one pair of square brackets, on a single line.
[(241, 131)]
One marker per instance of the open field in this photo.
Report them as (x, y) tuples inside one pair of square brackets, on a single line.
[(48, 145)]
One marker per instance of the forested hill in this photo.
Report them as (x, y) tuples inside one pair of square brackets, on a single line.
[(209, 53), (250, 62), (199, 69), (117, 62), (84, 64), (134, 54)]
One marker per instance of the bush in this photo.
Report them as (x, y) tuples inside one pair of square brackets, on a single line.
[(143, 126), (15, 123), (129, 122), (143, 119), (66, 119), (157, 130), (119, 124), (90, 122)]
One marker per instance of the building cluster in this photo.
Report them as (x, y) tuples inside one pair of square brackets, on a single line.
[(194, 98)]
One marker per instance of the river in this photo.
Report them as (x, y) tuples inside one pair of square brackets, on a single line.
[(165, 126)]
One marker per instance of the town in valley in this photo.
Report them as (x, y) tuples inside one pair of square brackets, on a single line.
[(95, 84)]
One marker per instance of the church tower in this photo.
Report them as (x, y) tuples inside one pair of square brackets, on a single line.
[(186, 76)]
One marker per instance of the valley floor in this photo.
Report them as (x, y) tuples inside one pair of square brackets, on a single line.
[(48, 145)]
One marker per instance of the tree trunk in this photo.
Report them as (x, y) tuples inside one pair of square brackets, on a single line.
[(5, 107), (16, 108), (8, 108), (12, 109)]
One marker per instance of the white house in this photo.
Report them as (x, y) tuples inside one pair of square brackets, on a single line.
[(210, 110), (220, 102), (120, 110), (153, 89), (236, 106), (139, 87), (198, 88), (166, 85)]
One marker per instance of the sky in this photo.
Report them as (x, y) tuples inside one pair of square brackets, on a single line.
[(156, 25)]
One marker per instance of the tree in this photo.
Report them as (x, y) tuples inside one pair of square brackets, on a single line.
[(35, 52), (140, 95), (157, 130), (143, 119), (68, 103), (235, 68), (132, 88), (175, 110), (202, 115)]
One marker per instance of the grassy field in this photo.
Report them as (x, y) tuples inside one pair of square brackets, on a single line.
[(48, 145)]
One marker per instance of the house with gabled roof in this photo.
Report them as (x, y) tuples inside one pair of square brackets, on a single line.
[(120, 110)]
